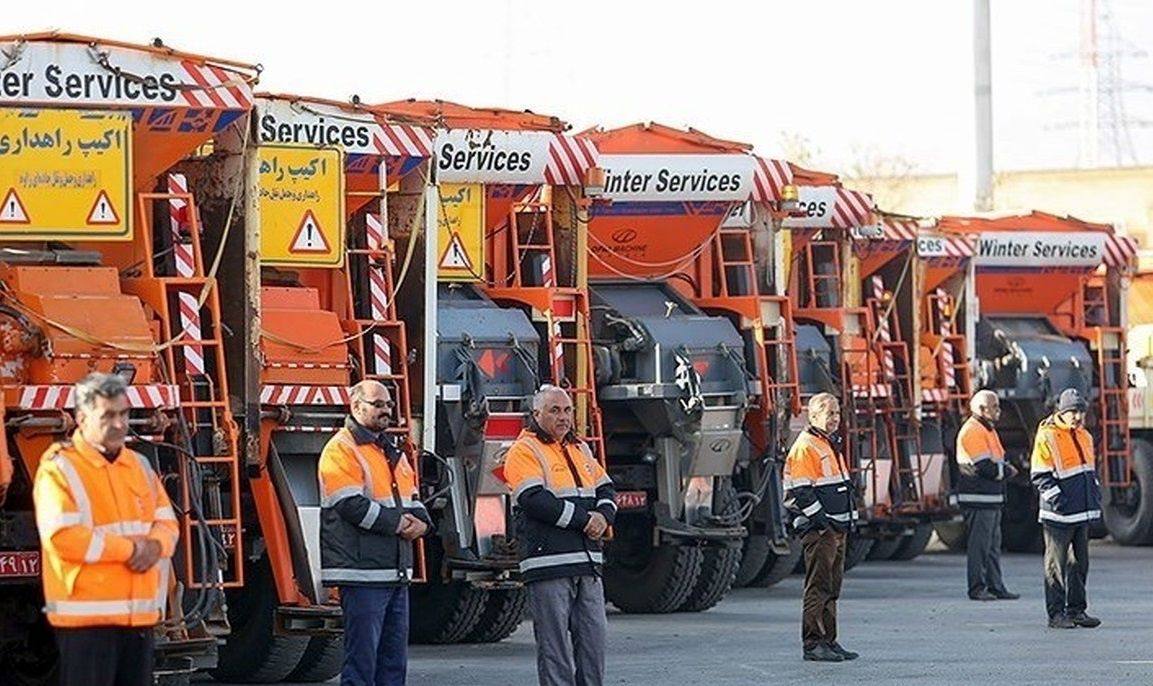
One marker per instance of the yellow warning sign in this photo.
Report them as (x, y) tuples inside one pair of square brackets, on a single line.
[(301, 206), (460, 238), (65, 174)]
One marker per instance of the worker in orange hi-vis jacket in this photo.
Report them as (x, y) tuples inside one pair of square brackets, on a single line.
[(564, 505), (981, 495), (820, 499), (1063, 469), (369, 518), (107, 531)]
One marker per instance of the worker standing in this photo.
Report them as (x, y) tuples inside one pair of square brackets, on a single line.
[(564, 505), (819, 496), (369, 517), (981, 494), (1064, 472), (107, 531)]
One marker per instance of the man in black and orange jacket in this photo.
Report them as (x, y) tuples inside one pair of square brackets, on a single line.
[(820, 499), (369, 517), (564, 505)]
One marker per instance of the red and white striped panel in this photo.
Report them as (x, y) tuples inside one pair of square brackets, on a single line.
[(557, 354), (218, 88), (899, 229), (58, 397), (960, 246), (879, 390), (948, 358), (769, 177), (402, 140), (884, 333), (546, 272), (934, 395), (1119, 250), (378, 293), (569, 158), (852, 209), (178, 220), (381, 355), (375, 230), (303, 395), (190, 325)]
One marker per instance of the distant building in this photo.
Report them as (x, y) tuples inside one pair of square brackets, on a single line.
[(1122, 196)]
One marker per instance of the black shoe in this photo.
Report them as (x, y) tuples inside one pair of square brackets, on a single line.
[(982, 595), (1083, 620), (847, 654), (823, 653), (1005, 595), (1061, 622)]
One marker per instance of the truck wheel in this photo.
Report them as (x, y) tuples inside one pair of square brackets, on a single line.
[(953, 535), (643, 578), (719, 565), (502, 615), (443, 610), (754, 557), (856, 550), (883, 548), (322, 660), (1129, 512), (777, 567), (253, 653), (913, 544)]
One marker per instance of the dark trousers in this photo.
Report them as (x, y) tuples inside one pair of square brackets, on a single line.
[(105, 656), (984, 549), (824, 571), (1065, 573), (563, 608), (375, 635)]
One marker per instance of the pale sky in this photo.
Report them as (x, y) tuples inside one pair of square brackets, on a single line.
[(888, 76)]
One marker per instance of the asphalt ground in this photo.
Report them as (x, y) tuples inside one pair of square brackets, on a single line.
[(911, 621)]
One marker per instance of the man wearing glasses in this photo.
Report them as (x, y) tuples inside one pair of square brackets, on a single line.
[(369, 517), (1064, 473)]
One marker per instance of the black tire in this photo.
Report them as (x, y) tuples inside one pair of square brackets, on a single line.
[(953, 535), (754, 556), (718, 570), (884, 548), (913, 544), (321, 661), (777, 567), (502, 615), (443, 610), (856, 550), (32, 661), (253, 653), (661, 585), (1129, 513)]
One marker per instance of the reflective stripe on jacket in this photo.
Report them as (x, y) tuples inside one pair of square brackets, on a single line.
[(87, 512), (365, 487), (818, 490), (555, 486), (981, 463), (1065, 474)]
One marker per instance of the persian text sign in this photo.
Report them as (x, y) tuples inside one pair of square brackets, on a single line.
[(301, 206), (65, 174)]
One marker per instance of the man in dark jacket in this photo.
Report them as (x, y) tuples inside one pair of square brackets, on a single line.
[(369, 517), (564, 505), (819, 496), (1065, 474), (981, 494)]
